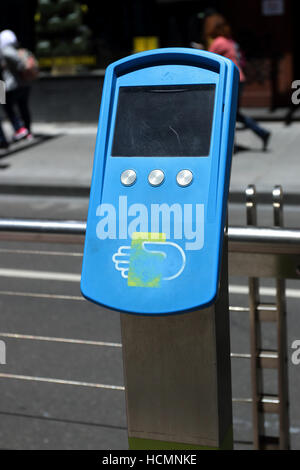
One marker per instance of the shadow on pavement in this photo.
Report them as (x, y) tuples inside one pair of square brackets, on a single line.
[(62, 420), (24, 145), (240, 148)]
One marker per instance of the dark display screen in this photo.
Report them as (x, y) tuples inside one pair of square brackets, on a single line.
[(164, 121)]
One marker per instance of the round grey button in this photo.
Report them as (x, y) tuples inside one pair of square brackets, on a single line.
[(156, 177), (128, 177), (184, 177)]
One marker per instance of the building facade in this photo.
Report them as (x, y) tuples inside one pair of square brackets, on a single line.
[(90, 34)]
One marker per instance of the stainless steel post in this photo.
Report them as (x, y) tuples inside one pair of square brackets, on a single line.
[(178, 377), (283, 383)]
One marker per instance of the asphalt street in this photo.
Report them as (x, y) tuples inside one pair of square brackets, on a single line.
[(45, 415), (68, 351)]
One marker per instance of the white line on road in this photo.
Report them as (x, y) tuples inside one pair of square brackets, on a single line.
[(42, 275), (37, 295), (60, 340), (70, 277), (61, 381)]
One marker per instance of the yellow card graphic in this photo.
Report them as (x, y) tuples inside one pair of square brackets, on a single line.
[(146, 263)]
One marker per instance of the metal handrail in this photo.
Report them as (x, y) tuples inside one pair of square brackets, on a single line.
[(264, 235), (271, 240), (57, 227)]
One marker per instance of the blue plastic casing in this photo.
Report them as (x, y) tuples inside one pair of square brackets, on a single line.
[(162, 273)]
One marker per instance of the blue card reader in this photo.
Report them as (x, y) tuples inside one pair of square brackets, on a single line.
[(160, 182)]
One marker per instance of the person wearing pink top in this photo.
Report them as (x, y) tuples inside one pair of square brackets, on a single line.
[(230, 49), (218, 38)]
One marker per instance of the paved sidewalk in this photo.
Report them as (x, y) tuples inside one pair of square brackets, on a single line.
[(278, 114), (60, 159), (279, 165)]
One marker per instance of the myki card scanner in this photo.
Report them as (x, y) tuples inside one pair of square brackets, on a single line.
[(160, 182)]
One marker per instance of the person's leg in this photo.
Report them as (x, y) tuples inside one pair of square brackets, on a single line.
[(3, 140), (250, 123), (289, 116), (11, 97), (23, 99)]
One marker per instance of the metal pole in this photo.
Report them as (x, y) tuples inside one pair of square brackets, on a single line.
[(178, 377), (255, 331), (283, 387)]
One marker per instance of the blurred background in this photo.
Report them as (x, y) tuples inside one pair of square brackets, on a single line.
[(72, 37), (62, 383)]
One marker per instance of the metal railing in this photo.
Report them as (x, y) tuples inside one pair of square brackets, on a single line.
[(241, 239), (253, 252), (277, 257)]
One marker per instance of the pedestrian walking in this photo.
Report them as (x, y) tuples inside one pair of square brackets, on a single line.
[(17, 84), (3, 141), (218, 39)]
